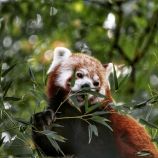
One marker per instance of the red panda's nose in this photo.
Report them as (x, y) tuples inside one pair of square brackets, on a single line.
[(86, 85)]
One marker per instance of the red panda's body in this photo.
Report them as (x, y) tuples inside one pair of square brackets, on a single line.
[(131, 137), (128, 138)]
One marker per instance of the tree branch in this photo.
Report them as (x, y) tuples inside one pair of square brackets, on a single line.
[(117, 33), (123, 54), (143, 45)]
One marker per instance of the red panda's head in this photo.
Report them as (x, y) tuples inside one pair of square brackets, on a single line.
[(86, 71)]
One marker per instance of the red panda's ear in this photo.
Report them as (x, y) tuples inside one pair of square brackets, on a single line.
[(60, 54), (108, 70)]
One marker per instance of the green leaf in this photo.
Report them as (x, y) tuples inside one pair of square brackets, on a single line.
[(8, 70), (155, 139), (22, 121), (11, 99), (2, 25), (45, 80), (102, 121), (115, 78), (92, 129), (1, 113), (144, 103), (123, 80), (57, 125), (22, 128), (100, 113), (74, 102), (143, 154), (1, 141), (0, 69), (93, 107), (37, 153), (53, 137), (86, 103), (6, 88), (55, 145), (149, 124), (31, 74), (94, 93)]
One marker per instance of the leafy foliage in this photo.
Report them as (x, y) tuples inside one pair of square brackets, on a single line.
[(28, 33)]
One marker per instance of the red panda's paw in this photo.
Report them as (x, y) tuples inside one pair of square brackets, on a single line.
[(43, 120)]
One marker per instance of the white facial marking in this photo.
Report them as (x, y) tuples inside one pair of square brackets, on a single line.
[(79, 82), (96, 78), (60, 54), (63, 77)]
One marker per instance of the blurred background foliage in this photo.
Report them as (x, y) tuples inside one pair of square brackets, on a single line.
[(119, 31)]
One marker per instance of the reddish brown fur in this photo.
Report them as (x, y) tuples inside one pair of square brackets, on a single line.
[(131, 137), (50, 84), (93, 65)]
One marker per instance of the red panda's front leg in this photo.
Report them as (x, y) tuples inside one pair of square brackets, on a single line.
[(43, 121), (132, 139)]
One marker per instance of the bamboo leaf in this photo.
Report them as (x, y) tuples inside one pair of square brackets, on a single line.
[(22, 121), (57, 125), (74, 102), (102, 121), (22, 128), (53, 137), (1, 141), (123, 80), (100, 113), (115, 78), (94, 107), (143, 153), (6, 88), (144, 103), (94, 93), (45, 80), (149, 124), (55, 145), (86, 103), (155, 139), (0, 69), (11, 99), (2, 25), (31, 74), (8, 70), (92, 129)]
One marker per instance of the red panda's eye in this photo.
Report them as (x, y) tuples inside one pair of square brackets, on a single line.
[(96, 83), (79, 75)]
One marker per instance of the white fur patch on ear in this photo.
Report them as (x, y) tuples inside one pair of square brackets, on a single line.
[(108, 70), (60, 54)]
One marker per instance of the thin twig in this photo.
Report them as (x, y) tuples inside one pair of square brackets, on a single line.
[(143, 45)]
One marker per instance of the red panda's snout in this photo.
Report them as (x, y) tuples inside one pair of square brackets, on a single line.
[(75, 81), (82, 81)]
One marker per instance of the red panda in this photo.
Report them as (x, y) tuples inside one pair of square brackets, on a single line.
[(128, 139)]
